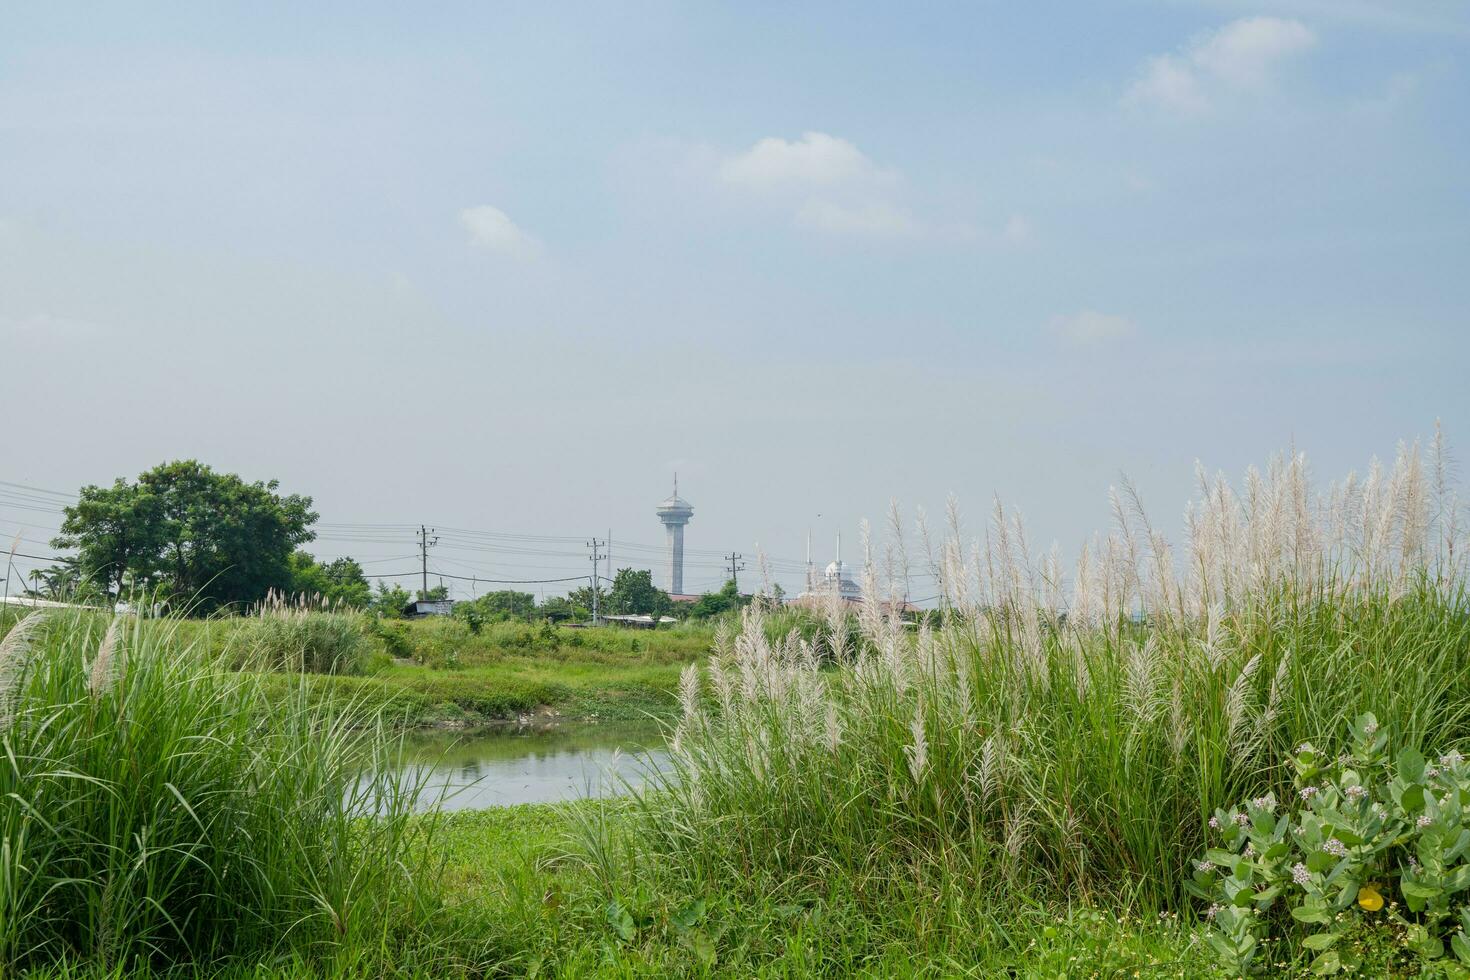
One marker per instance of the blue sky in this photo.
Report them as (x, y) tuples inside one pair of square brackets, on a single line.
[(506, 268)]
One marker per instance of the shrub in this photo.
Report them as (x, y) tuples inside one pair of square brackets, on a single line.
[(395, 634), (1064, 745), (300, 636), (1359, 834), (157, 810), (438, 642)]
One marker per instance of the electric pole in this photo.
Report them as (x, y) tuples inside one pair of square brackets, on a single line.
[(735, 569), (595, 557), (424, 545)]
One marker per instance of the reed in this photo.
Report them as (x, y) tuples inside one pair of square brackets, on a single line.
[(156, 809), (1057, 741)]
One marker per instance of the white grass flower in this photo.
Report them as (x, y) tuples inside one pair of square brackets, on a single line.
[(918, 750), (104, 671), (15, 651), (689, 691)]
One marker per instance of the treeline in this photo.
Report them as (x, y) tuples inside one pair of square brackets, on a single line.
[(199, 541)]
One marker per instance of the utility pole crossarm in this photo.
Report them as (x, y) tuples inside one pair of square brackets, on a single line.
[(595, 557), (736, 567), (424, 545)]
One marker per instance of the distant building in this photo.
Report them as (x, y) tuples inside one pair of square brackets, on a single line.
[(641, 622), (674, 513), (429, 607), (836, 580)]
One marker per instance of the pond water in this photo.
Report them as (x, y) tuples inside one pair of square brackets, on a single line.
[(500, 767)]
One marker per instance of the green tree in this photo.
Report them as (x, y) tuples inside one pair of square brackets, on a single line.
[(582, 598), (495, 606), (634, 594), (558, 608), (389, 602), (208, 539), (338, 581), (117, 534), (715, 603)]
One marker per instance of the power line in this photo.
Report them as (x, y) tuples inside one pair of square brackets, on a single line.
[(508, 581)]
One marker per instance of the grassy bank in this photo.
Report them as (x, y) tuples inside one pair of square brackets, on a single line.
[(438, 672), (1244, 758), (510, 689)]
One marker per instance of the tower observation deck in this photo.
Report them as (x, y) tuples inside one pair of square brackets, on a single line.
[(674, 513)]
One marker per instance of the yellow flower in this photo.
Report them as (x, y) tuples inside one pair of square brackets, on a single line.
[(1370, 898)]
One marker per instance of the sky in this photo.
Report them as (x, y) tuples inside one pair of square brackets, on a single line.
[(507, 268)]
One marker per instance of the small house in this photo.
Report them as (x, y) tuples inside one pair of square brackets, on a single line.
[(428, 607)]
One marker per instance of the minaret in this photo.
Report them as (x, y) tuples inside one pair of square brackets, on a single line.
[(811, 570), (674, 513)]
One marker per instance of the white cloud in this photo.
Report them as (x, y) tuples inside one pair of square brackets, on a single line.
[(1170, 83), (875, 218), (816, 159), (1018, 230), (1243, 53), (491, 228), (1240, 56), (1090, 328)]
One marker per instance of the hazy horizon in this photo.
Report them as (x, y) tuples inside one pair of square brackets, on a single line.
[(507, 270)]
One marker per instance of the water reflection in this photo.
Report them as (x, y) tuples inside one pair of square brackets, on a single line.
[(469, 771)]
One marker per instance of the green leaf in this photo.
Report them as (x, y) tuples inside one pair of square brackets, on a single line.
[(1320, 941), (1414, 889), (701, 945), (688, 917), (1329, 962), (1222, 948), (1461, 945), (1412, 798), (1458, 879), (1410, 764), (1319, 861), (620, 921), (1314, 915)]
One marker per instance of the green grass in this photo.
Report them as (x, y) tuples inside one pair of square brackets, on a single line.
[(155, 809), (524, 876), (506, 671), (511, 687)]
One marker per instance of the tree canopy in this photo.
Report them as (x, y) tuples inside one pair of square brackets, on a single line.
[(633, 593), (715, 603), (185, 532), (338, 581)]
